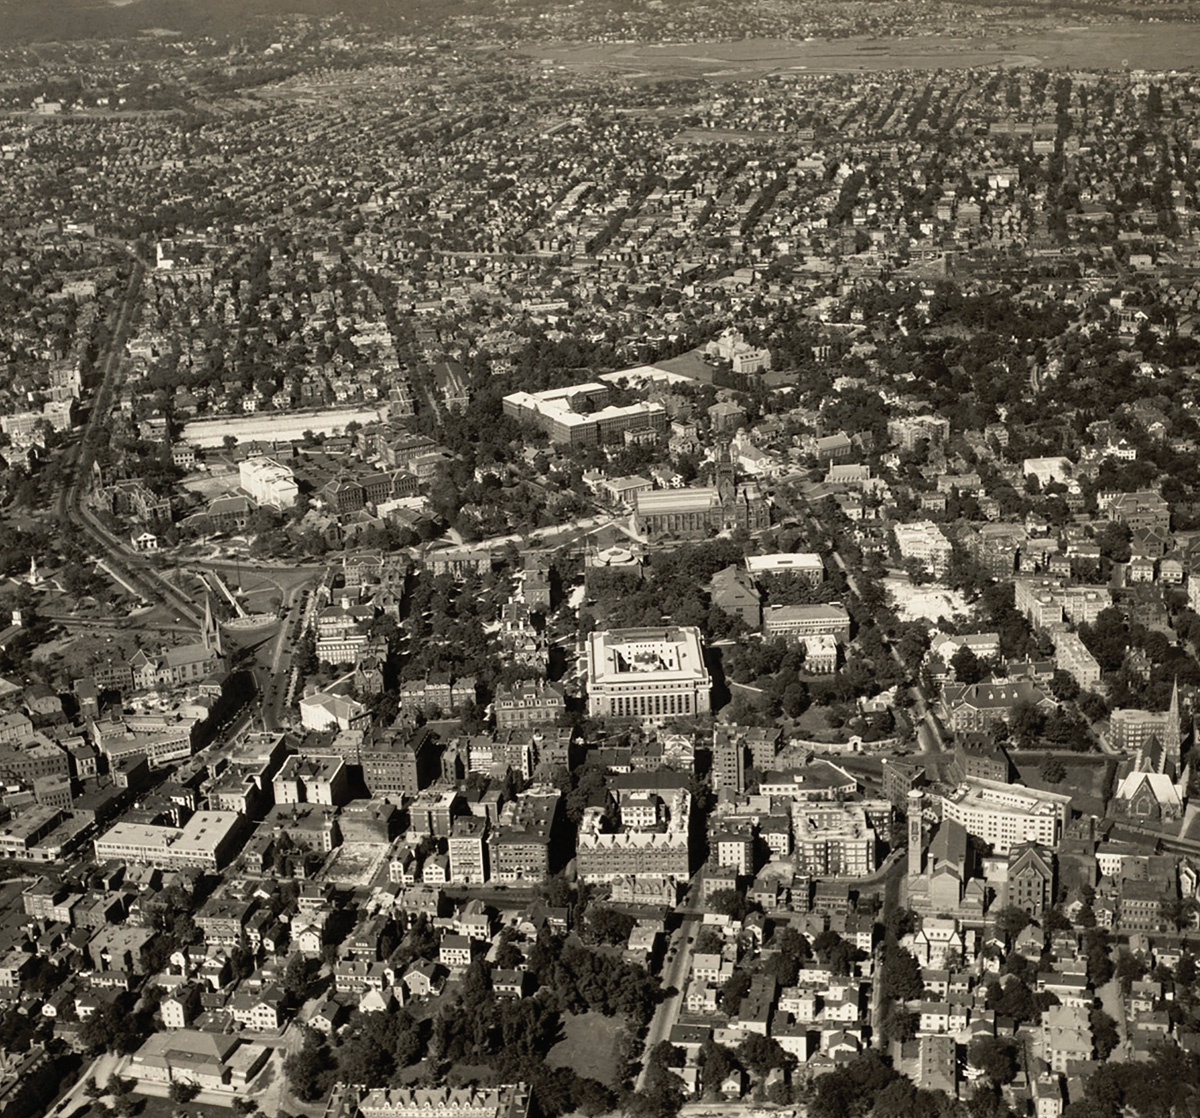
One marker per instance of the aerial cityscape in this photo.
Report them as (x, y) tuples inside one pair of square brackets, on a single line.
[(632, 558)]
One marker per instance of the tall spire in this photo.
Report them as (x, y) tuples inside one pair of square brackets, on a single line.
[(1173, 745), (211, 632)]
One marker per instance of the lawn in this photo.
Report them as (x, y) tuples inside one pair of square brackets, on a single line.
[(1084, 781), (590, 1047)]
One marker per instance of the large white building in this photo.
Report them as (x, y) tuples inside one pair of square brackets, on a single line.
[(1071, 655), (923, 541), (268, 482), (208, 840), (805, 564), (1006, 815), (648, 674), (797, 623), (580, 414)]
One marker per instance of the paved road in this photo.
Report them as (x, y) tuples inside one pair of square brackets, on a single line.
[(100, 1069), (1113, 1004), (674, 975), (891, 897), (929, 733), (134, 569)]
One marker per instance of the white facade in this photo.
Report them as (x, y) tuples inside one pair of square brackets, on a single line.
[(1007, 814), (923, 541), (268, 482)]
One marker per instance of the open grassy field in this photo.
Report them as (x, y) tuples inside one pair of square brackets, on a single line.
[(589, 1045), (1084, 783), (1098, 47)]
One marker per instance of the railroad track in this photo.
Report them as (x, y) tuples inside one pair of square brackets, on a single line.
[(75, 515)]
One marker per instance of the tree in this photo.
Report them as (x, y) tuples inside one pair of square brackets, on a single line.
[(761, 1053), (729, 902), (184, 1092), (1055, 920), (664, 1092), (835, 952), (735, 988), (788, 941), (1053, 771), (111, 1028), (297, 976), (1092, 706), (967, 666), (995, 1057), (899, 1023), (719, 1064), (1105, 1035), (1012, 921), (901, 974), (1025, 723), (311, 1070), (1129, 970), (377, 1046), (853, 1088), (1064, 686), (608, 925)]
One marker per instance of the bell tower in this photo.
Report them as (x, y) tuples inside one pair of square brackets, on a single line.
[(914, 832)]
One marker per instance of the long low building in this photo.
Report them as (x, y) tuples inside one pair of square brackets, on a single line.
[(510, 1101), (276, 426), (795, 623), (804, 564), (208, 840), (1007, 815)]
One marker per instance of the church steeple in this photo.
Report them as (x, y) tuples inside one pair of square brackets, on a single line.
[(1173, 737), (211, 632)]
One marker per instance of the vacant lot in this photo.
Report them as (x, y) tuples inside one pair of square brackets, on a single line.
[(589, 1045)]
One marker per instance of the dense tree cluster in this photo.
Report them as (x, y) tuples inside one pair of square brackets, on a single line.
[(1168, 1084)]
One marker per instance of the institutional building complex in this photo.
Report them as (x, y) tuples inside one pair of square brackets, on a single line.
[(268, 482), (207, 841), (647, 674), (1006, 815), (655, 851), (580, 415)]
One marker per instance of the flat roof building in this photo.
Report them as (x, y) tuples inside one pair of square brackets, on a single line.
[(208, 840), (1006, 815), (806, 564), (797, 623), (579, 415), (268, 482), (832, 839), (650, 675)]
